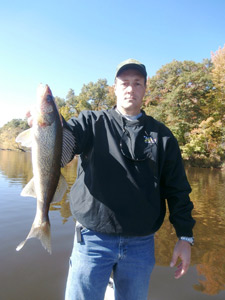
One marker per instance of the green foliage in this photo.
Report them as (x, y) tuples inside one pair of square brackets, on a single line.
[(15, 123), (205, 144), (60, 102), (178, 95), (218, 77), (9, 132), (95, 94), (188, 97), (66, 112)]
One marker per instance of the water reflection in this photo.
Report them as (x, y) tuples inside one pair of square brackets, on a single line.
[(209, 255), (208, 190), (17, 167), (63, 206)]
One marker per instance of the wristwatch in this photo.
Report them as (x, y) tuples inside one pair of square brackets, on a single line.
[(190, 240)]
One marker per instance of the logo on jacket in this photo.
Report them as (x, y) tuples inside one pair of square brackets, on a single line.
[(149, 140)]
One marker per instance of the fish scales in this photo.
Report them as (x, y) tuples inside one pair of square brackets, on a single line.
[(45, 139)]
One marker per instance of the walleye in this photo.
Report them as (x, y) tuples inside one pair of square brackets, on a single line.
[(47, 184)]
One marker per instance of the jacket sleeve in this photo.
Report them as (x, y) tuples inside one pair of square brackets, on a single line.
[(176, 189), (77, 137)]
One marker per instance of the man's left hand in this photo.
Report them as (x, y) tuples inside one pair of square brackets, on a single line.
[(182, 250)]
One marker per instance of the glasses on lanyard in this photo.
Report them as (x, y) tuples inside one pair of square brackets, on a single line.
[(138, 149)]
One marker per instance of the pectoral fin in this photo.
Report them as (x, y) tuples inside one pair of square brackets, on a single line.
[(61, 189), (29, 189), (25, 138)]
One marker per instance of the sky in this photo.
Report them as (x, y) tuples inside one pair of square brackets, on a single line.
[(66, 44)]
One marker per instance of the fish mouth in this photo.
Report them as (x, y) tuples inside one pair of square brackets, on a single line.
[(45, 99), (43, 90), (49, 92)]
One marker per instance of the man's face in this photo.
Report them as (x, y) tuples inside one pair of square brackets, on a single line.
[(130, 89)]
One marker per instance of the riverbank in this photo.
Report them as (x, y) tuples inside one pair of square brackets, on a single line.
[(8, 136), (187, 163)]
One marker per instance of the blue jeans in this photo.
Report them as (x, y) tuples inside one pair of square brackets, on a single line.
[(93, 259)]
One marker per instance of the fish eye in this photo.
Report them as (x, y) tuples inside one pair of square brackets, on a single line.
[(49, 98)]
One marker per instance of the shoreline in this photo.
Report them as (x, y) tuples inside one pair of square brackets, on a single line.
[(187, 163)]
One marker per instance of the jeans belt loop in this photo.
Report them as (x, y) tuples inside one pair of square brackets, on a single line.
[(78, 229)]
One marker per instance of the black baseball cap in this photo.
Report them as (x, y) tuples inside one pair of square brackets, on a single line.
[(131, 64)]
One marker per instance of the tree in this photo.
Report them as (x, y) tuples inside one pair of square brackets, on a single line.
[(71, 100), (66, 112), (10, 131), (70, 95), (15, 123), (218, 71), (60, 102), (218, 77), (205, 146), (178, 95), (111, 97), (94, 96), (82, 103), (71, 104)]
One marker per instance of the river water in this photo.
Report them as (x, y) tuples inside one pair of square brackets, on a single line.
[(34, 274)]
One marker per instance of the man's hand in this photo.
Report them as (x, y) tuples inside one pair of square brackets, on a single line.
[(29, 118), (182, 250)]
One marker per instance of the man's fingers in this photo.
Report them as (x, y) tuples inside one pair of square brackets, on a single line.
[(180, 271), (173, 262), (174, 258), (29, 118), (182, 250), (28, 114)]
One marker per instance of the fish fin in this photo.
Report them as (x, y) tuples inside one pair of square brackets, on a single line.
[(42, 232), (25, 138), (29, 189), (60, 190), (109, 294)]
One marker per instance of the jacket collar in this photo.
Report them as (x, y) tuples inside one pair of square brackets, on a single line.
[(121, 119)]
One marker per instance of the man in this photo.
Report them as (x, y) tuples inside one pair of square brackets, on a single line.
[(129, 164)]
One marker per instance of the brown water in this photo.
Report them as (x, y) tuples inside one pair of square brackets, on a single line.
[(33, 274)]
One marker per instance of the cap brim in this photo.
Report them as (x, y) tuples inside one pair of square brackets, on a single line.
[(132, 66)]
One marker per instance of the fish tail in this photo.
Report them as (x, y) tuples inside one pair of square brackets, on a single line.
[(42, 232)]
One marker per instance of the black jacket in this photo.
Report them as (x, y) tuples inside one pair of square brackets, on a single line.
[(126, 171)]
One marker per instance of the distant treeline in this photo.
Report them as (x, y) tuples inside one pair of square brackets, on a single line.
[(188, 97)]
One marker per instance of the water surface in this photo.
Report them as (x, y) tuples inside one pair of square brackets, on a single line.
[(34, 274)]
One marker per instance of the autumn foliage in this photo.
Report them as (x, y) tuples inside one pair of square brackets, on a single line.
[(188, 97)]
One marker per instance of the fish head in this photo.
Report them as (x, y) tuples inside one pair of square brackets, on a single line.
[(46, 106)]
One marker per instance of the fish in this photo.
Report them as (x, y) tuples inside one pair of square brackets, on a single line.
[(48, 185), (109, 293)]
